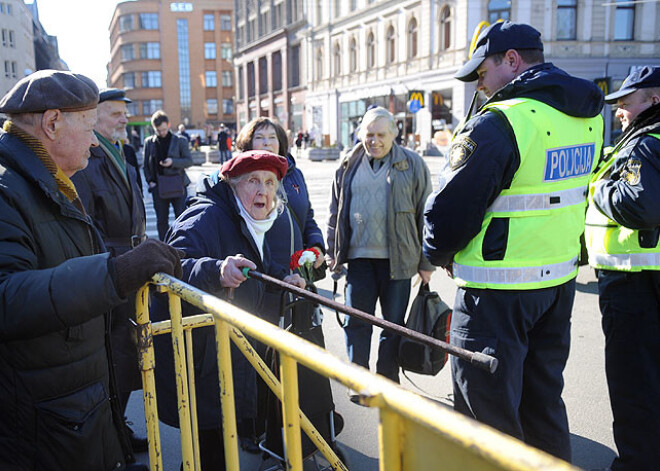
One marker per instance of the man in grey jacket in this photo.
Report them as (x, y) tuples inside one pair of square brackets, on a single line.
[(375, 226)]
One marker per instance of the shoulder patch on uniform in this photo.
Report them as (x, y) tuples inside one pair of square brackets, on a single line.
[(632, 171), (460, 151), (402, 165)]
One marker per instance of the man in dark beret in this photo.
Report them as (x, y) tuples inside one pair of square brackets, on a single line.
[(58, 400), (111, 194)]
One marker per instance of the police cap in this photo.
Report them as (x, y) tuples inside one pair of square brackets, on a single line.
[(113, 94), (499, 37), (644, 77)]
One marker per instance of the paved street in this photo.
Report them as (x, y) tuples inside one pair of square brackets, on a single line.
[(585, 392)]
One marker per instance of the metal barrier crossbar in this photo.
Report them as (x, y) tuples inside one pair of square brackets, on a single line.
[(414, 433)]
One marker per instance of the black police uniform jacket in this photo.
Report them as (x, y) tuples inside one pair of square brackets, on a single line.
[(208, 231), (455, 212), (114, 202), (55, 286)]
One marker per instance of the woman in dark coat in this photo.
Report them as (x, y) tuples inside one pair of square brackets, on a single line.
[(229, 216), (293, 230)]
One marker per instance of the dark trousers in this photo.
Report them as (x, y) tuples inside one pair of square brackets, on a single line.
[(528, 331), (162, 209), (211, 450), (367, 281), (629, 304)]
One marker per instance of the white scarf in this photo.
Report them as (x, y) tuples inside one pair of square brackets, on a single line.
[(257, 228)]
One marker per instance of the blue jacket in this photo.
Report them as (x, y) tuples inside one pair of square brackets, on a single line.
[(208, 231), (455, 212)]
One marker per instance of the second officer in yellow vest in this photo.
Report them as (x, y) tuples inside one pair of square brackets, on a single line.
[(622, 233), (506, 222)]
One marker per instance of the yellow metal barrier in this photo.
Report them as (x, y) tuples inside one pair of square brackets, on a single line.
[(414, 433)]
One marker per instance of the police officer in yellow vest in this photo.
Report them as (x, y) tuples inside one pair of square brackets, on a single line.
[(622, 232), (506, 222)]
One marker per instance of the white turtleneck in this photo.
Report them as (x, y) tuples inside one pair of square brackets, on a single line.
[(257, 228)]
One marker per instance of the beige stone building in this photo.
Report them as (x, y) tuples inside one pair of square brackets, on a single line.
[(17, 47), (175, 56), (402, 54)]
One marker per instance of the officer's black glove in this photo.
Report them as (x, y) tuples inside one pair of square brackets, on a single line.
[(135, 267)]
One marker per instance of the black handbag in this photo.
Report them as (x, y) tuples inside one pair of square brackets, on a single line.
[(171, 186), (428, 315)]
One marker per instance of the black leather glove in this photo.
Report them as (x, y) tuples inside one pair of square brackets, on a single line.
[(135, 267)]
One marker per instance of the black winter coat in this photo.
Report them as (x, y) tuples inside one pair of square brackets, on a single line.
[(208, 231), (113, 200), (55, 286)]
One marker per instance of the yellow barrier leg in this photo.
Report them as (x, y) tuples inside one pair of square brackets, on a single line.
[(193, 397), (391, 441), (227, 395), (147, 364), (290, 417), (181, 383)]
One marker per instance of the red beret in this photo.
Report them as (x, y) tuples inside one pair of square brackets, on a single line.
[(252, 160)]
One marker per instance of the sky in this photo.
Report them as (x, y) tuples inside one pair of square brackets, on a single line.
[(81, 27)]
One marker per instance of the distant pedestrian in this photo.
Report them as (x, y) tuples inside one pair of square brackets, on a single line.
[(225, 152), (166, 156), (183, 133)]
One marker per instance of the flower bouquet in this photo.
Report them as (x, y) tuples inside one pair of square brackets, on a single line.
[(303, 261)]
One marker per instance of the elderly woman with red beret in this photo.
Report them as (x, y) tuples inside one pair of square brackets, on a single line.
[(221, 232)]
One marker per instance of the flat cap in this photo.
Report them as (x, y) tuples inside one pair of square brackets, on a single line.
[(643, 77), (252, 160), (113, 94), (51, 90), (499, 37)]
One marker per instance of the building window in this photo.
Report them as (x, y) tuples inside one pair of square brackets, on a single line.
[(337, 9), (228, 106), (241, 89), (263, 75), (10, 69), (412, 38), (125, 23), (148, 20), (225, 51), (566, 19), (498, 10), (276, 70), (337, 59), (12, 42), (225, 23), (319, 12), (209, 50), (185, 95), (149, 107), (10, 11), (390, 43), (227, 78), (2, 7), (149, 50), (371, 50), (129, 79), (211, 106), (624, 21), (151, 79), (353, 54), (211, 78), (5, 37), (319, 64), (127, 52), (445, 28), (353, 5), (294, 60), (250, 79), (132, 109), (209, 22)]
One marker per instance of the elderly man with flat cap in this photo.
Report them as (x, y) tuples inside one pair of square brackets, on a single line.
[(58, 399), (111, 194), (512, 244), (622, 233)]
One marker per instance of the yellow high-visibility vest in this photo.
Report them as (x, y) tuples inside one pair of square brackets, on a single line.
[(612, 246), (545, 203)]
